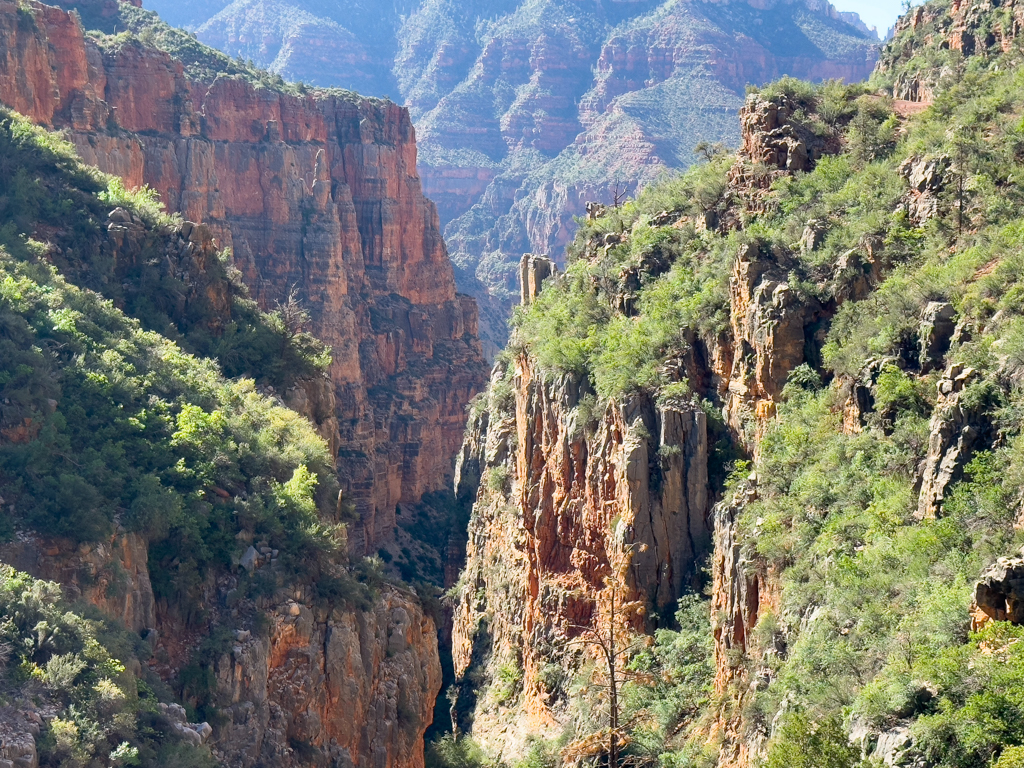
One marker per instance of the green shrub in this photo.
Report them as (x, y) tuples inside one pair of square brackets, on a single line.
[(803, 743), (452, 752), (896, 392), (143, 200), (1011, 757), (669, 685)]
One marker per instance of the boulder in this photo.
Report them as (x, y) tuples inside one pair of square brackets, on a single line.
[(925, 174), (935, 333), (955, 430), (999, 594), (250, 559), (813, 236)]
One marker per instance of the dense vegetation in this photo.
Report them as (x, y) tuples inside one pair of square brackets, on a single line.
[(107, 425), (79, 667), (872, 630)]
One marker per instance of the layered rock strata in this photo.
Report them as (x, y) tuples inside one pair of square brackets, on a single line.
[(528, 110), (318, 198)]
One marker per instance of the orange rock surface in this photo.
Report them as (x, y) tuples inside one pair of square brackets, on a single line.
[(316, 194)]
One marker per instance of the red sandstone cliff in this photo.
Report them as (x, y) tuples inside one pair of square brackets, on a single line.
[(563, 488), (316, 194), (562, 497)]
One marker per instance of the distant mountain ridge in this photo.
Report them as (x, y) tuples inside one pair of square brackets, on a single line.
[(526, 109)]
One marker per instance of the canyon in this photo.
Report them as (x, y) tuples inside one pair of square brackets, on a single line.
[(526, 111), (758, 428), (317, 197)]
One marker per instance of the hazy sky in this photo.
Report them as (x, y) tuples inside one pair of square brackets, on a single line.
[(878, 13)]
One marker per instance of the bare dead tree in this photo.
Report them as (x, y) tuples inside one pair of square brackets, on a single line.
[(618, 194), (610, 635), (293, 314)]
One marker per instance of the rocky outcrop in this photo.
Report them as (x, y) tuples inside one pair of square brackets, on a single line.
[(957, 427), (927, 178), (967, 26), (18, 729), (533, 271), (565, 490), (768, 340), (741, 592), (776, 141), (318, 197), (356, 686), (735, 589), (938, 322), (772, 139), (999, 594), (299, 675)]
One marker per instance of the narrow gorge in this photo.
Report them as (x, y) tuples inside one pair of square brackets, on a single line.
[(315, 197), (742, 490)]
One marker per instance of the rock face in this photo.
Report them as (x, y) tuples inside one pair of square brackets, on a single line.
[(533, 271), (956, 429), (358, 685), (318, 197), (768, 338), (969, 27), (999, 594), (355, 685), (565, 489), (563, 492), (18, 730), (772, 329), (526, 111), (740, 595)]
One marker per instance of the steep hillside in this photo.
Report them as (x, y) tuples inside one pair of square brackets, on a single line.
[(527, 110), (178, 445), (771, 415), (199, 515), (315, 193)]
